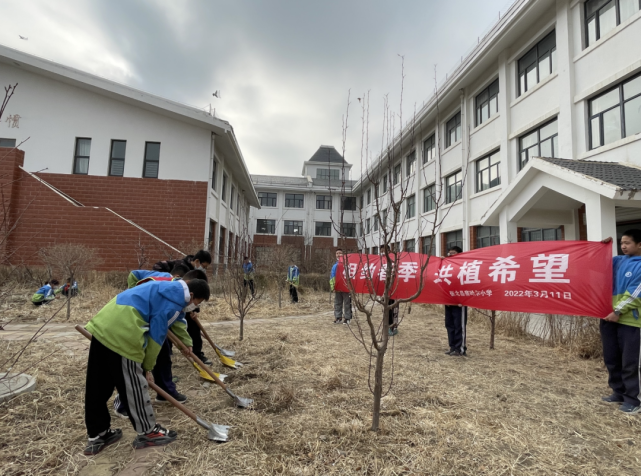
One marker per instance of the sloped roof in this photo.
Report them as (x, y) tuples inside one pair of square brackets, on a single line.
[(327, 153), (623, 176)]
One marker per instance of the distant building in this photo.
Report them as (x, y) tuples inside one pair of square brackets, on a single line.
[(116, 168), (306, 212)]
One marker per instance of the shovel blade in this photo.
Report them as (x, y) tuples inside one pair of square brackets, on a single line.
[(226, 361), (226, 353), (215, 432), (240, 401), (206, 376)]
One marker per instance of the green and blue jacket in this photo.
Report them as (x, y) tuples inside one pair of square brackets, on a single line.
[(293, 275), (134, 324), (140, 274), (45, 293), (332, 276), (626, 289)]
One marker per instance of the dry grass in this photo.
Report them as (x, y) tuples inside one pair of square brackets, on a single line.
[(521, 409)]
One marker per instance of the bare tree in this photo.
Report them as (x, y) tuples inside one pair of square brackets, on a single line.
[(71, 260), (391, 213), (280, 257)]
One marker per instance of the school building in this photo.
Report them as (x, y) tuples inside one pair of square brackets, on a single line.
[(87, 160), (536, 135)]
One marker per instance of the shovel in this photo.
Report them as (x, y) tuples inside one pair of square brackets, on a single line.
[(215, 432), (224, 358), (239, 401), (203, 374)]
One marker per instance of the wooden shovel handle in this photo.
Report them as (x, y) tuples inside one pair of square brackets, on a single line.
[(177, 342), (152, 385), (202, 329)]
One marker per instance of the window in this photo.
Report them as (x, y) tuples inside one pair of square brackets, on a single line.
[(374, 250), (410, 245), (237, 203), (541, 234), (367, 226), (384, 184), (323, 228), (348, 203), (376, 220), (7, 142), (224, 189), (214, 176), (410, 206), (453, 130), (487, 103), (369, 195), (267, 227), (330, 174), (384, 220), (542, 142), (454, 187), (429, 149), (429, 245), (231, 199), (117, 158), (349, 230), (397, 174), (487, 236), (453, 238), (376, 191), (429, 198), (294, 200), (323, 202), (410, 164), (601, 16), (488, 173), (538, 63), (267, 199), (81, 158), (152, 160), (293, 227), (616, 113)]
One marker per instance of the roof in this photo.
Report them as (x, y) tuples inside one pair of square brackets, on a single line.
[(300, 182), (623, 176), (319, 182), (327, 153)]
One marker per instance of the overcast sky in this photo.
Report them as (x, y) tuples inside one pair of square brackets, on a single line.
[(284, 67)]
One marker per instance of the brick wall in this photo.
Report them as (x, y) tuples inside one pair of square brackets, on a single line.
[(172, 210)]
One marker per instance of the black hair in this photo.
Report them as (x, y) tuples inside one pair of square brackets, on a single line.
[(54, 282), (246, 257), (179, 270), (195, 274), (339, 249), (456, 248), (200, 289), (203, 256), (635, 234)]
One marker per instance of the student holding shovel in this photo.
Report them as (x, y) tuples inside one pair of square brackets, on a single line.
[(127, 336)]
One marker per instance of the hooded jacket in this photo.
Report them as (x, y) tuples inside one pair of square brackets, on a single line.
[(134, 324), (45, 293), (293, 275), (140, 274), (626, 289), (332, 276)]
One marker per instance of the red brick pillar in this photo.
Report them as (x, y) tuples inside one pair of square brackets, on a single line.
[(10, 173)]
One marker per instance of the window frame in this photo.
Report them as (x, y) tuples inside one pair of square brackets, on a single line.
[(448, 187), (295, 199), (453, 124), (490, 166), (478, 118), (385, 187), (325, 200), (450, 244), (537, 61), (8, 139), (271, 226), (432, 242), (329, 174), (410, 163), (293, 224), (526, 232), (599, 115), (76, 156), (369, 196), (323, 224), (396, 176), (431, 142), (410, 207), (214, 172), (231, 198), (376, 222), (268, 199), (406, 245), (351, 226), (429, 198), (597, 20), (538, 143), (223, 191), (351, 200), (111, 158), (146, 161), (491, 237), (368, 227)]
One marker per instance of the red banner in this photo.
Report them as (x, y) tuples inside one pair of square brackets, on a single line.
[(546, 277)]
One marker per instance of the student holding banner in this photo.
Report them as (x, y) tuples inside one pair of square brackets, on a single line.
[(456, 321), (621, 329)]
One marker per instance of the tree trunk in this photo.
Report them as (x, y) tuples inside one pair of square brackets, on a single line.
[(280, 296), (242, 321), (492, 328), (69, 299), (378, 386)]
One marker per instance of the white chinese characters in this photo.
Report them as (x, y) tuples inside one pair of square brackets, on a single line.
[(550, 268)]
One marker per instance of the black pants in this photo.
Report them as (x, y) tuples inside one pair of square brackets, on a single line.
[(162, 370), (293, 292), (106, 370), (622, 358), (456, 325), (194, 332), (250, 282), (392, 315)]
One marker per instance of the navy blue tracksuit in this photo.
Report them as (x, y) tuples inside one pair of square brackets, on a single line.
[(456, 325), (621, 354)]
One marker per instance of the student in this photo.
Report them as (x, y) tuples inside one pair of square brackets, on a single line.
[(138, 275), (621, 329), (342, 301), (127, 336), (162, 371), (45, 294), (392, 316), (248, 275), (456, 322), (200, 260), (68, 289), (192, 327), (293, 278)]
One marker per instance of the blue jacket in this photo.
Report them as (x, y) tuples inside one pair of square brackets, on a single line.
[(626, 288), (45, 293), (134, 324), (332, 276), (140, 274), (248, 269), (293, 275)]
